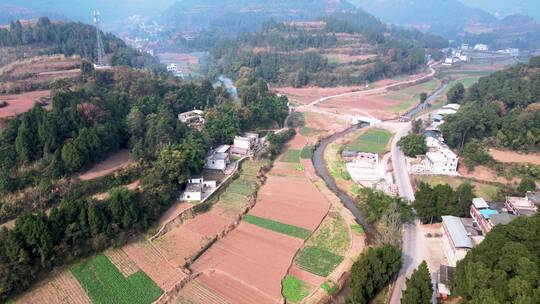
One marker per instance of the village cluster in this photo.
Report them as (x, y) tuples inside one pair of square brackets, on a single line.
[(460, 235), (465, 53), (218, 160)]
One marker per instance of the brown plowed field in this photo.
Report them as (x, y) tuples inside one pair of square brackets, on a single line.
[(20, 103), (208, 224), (153, 264), (307, 95), (377, 105), (308, 277), (179, 244), (514, 157), (196, 292), (114, 162), (286, 169), (293, 201), (61, 288), (248, 265), (297, 143), (235, 291), (255, 257), (120, 259)]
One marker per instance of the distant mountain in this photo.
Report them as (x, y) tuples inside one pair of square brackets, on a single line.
[(437, 16), (79, 10), (246, 14), (504, 8)]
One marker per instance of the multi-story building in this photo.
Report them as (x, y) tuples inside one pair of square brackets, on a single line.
[(219, 158), (486, 217), (442, 161)]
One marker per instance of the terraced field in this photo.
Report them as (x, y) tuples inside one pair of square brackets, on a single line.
[(104, 283)]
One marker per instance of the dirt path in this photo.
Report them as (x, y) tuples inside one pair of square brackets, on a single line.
[(114, 162)]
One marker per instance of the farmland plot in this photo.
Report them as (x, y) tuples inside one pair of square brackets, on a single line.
[(104, 283)]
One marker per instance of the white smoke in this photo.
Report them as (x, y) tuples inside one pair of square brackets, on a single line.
[(229, 85)]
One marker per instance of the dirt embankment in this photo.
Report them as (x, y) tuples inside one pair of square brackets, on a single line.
[(514, 157)]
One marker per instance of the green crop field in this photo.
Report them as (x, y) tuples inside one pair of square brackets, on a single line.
[(307, 152), (332, 235), (293, 231), (373, 140), (317, 261), (105, 284), (294, 289), (291, 156)]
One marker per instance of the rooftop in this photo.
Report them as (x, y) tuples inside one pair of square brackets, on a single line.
[(488, 213), (534, 197), (480, 203), (502, 218), (457, 231), (223, 149)]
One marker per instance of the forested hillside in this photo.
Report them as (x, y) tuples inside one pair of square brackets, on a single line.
[(501, 110), (101, 113), (504, 268), (70, 38), (340, 49), (245, 15)]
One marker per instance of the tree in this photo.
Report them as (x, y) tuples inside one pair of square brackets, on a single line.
[(504, 267), (456, 93), (413, 145), (423, 97), (372, 272), (433, 202), (526, 184), (419, 287), (417, 126), (71, 158), (27, 142), (87, 69)]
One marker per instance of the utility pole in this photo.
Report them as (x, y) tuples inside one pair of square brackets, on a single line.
[(101, 59)]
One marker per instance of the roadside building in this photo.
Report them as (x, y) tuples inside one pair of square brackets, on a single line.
[(463, 58), (456, 240), (486, 217), (442, 161), (197, 189), (348, 155), (219, 158), (243, 145), (445, 281), (194, 119), (525, 206), (365, 169), (445, 112), (438, 118), (452, 106)]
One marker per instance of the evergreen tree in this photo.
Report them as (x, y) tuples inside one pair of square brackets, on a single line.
[(419, 287)]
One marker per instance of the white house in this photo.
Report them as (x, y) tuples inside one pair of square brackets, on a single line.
[(442, 161), (244, 144), (463, 58), (465, 46), (197, 189), (173, 68), (481, 47), (452, 106), (194, 118), (446, 111), (219, 158), (456, 240)]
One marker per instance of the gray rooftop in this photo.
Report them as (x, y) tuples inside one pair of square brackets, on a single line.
[(502, 218), (457, 231)]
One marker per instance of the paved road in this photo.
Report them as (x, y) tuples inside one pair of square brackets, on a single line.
[(412, 251), (375, 90)]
